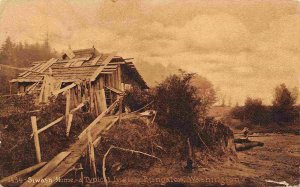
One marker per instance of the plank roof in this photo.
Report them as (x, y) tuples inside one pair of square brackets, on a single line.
[(85, 64)]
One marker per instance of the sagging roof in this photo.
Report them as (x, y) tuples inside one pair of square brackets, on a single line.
[(77, 65)]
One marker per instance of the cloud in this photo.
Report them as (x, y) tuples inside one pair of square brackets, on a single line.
[(245, 48), (220, 32)]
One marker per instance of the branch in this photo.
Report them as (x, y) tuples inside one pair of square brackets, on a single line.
[(143, 107), (122, 149)]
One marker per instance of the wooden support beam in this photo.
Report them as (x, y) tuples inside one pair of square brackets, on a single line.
[(32, 87), (91, 155), (108, 73), (36, 139), (110, 66), (97, 141), (91, 93), (64, 89), (100, 95), (68, 100), (101, 82), (115, 63), (106, 61), (49, 125), (120, 78), (117, 91), (96, 103), (120, 109), (69, 124), (42, 91), (10, 180), (95, 60), (112, 106), (77, 108)]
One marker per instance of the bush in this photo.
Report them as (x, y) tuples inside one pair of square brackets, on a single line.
[(178, 104), (136, 98), (253, 111)]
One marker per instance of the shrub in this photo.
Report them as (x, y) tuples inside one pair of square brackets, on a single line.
[(136, 98), (178, 104), (253, 111)]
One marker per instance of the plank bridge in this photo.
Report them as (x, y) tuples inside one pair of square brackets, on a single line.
[(64, 161)]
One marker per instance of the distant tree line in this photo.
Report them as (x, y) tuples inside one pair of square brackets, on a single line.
[(283, 109), (21, 55)]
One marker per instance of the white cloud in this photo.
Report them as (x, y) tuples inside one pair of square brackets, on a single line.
[(244, 50)]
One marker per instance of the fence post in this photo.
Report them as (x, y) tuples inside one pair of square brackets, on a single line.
[(68, 98), (36, 139), (120, 109), (92, 154), (69, 124)]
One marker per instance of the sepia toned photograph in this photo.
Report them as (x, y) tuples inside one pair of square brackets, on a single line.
[(159, 93)]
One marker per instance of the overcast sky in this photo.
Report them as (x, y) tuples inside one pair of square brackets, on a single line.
[(245, 48)]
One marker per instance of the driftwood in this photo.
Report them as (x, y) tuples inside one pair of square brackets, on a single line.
[(245, 144), (121, 149)]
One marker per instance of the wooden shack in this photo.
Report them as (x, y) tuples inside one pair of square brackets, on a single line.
[(86, 75)]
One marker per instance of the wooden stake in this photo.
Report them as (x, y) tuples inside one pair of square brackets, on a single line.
[(69, 124), (102, 100), (36, 139), (120, 78), (92, 154), (68, 100), (189, 161), (96, 103), (91, 96), (42, 91), (120, 109), (10, 89)]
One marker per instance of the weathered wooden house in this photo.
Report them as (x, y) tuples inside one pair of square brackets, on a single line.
[(88, 75)]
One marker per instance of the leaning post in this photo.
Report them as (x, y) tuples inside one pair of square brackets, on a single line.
[(91, 154), (68, 100), (36, 139), (120, 109)]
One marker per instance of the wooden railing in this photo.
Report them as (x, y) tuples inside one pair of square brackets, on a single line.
[(69, 116), (36, 131)]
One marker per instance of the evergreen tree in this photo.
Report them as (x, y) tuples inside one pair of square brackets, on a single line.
[(283, 108)]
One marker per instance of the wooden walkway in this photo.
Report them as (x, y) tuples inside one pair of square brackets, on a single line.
[(63, 162)]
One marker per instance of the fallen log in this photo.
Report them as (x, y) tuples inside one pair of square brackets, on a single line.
[(247, 145), (241, 140)]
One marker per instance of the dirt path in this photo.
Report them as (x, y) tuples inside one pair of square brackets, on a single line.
[(278, 160)]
